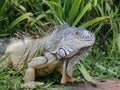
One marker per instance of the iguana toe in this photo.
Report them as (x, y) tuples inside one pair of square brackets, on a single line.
[(33, 84)]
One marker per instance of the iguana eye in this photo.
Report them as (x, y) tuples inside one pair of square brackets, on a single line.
[(76, 33)]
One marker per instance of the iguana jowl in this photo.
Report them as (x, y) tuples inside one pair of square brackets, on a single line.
[(64, 47)]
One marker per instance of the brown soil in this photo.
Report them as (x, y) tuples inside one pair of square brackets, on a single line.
[(108, 84)]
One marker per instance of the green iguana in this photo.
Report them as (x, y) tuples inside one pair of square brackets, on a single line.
[(64, 47)]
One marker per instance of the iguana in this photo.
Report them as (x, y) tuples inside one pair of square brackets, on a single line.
[(64, 47)]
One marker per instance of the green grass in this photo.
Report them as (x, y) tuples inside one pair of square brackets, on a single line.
[(103, 66), (10, 78)]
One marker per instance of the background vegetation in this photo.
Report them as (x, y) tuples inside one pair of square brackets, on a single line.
[(37, 16)]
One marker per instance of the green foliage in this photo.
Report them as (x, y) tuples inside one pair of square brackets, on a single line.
[(103, 61), (10, 77), (117, 41), (20, 15), (19, 19), (73, 12), (101, 64), (85, 73), (91, 22)]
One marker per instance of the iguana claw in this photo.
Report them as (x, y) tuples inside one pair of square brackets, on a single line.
[(33, 84)]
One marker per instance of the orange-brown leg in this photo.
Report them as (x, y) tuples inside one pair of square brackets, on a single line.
[(66, 78), (67, 72), (63, 72)]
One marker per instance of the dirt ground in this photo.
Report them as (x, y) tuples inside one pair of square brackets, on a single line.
[(106, 84)]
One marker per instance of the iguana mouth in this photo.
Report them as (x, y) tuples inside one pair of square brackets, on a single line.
[(83, 51)]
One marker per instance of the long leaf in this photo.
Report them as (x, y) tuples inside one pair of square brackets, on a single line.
[(74, 10), (93, 21), (58, 9), (82, 13), (86, 74), (67, 7), (19, 19), (38, 18), (100, 10), (52, 11), (3, 7), (4, 58)]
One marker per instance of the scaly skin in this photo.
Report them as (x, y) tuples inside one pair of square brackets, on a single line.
[(62, 48)]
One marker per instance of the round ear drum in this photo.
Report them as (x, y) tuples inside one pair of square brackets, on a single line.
[(64, 51)]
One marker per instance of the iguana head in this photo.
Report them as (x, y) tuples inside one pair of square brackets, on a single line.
[(75, 40)]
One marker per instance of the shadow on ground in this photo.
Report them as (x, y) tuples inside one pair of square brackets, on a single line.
[(107, 84)]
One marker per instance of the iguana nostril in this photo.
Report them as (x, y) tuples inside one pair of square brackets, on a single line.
[(88, 34)]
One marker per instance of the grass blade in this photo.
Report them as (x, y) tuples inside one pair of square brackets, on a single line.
[(38, 18), (53, 11), (86, 74), (3, 7), (93, 21), (59, 10), (82, 13), (4, 58), (74, 11), (67, 7), (19, 19)]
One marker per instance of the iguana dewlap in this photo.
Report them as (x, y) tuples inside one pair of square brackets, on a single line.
[(64, 47)]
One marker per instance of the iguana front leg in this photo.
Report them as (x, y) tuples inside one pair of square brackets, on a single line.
[(37, 63), (63, 72), (30, 72), (67, 72)]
